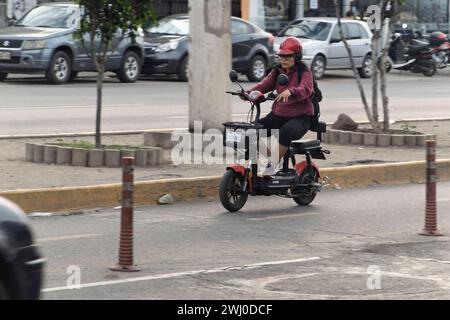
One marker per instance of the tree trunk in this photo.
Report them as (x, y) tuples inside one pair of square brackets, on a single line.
[(375, 42), (98, 122)]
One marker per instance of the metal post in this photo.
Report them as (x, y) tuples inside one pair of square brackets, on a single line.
[(431, 212), (125, 263)]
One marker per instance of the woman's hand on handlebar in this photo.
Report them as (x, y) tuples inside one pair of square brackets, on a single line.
[(284, 96)]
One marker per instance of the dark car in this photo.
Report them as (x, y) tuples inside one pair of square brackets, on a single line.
[(166, 48), (21, 264)]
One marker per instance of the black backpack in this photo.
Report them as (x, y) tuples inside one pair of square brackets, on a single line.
[(315, 98)]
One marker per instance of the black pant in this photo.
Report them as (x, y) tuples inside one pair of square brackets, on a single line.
[(291, 129)]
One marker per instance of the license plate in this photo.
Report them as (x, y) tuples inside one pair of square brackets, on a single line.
[(234, 137), (5, 55)]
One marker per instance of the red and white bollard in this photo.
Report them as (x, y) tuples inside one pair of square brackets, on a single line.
[(125, 263), (431, 207)]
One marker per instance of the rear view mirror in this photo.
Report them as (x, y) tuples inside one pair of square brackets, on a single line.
[(233, 76), (282, 80)]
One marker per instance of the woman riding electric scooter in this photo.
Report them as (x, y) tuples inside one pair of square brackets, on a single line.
[(295, 111), (292, 110)]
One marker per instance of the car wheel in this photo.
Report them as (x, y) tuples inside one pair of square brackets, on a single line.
[(257, 70), (73, 75), (365, 71), (3, 76), (60, 69), (183, 73), (130, 68), (318, 67)]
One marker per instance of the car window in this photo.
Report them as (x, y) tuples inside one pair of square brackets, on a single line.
[(308, 29), (239, 27), (171, 26), (354, 32), (51, 17), (363, 31), (336, 36)]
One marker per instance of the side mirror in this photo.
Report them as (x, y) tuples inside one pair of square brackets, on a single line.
[(233, 76), (11, 23), (335, 40), (282, 80)]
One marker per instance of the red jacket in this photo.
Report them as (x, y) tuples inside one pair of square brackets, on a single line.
[(299, 103)]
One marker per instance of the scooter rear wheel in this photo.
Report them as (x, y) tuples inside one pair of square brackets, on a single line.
[(307, 197), (231, 195)]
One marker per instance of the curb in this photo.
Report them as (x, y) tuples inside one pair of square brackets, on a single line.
[(189, 189)]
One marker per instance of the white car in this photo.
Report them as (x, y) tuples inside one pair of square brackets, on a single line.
[(323, 48)]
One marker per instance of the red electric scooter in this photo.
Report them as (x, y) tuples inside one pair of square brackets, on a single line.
[(300, 182)]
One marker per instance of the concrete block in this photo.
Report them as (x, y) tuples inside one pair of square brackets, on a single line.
[(326, 137), (334, 136), (370, 139), (410, 140), (29, 152), (50, 154), (152, 157), (79, 157), (159, 139), (96, 158), (420, 140), (38, 153), (345, 137), (357, 138), (141, 158), (112, 158), (63, 156), (384, 140), (398, 140)]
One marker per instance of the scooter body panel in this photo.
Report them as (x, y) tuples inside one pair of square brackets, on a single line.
[(300, 167)]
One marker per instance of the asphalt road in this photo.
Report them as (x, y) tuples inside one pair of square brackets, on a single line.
[(351, 244), (30, 106)]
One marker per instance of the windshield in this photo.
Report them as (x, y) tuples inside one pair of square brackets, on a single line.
[(51, 17), (171, 26), (315, 30)]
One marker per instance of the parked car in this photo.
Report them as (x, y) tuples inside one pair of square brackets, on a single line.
[(323, 48), (166, 48), (21, 264), (43, 41)]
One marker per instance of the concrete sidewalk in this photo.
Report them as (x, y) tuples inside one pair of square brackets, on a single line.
[(15, 173)]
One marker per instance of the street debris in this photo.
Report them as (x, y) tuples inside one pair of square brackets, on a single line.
[(166, 199), (40, 214)]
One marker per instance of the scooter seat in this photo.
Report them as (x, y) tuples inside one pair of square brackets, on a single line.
[(300, 147)]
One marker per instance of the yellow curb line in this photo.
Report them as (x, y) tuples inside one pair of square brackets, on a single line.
[(188, 189)]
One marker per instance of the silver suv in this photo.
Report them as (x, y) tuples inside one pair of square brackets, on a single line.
[(323, 48), (44, 41)]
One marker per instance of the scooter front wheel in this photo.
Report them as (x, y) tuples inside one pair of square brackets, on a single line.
[(308, 196), (230, 191)]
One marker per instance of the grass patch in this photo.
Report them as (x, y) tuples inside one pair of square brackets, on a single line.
[(83, 144)]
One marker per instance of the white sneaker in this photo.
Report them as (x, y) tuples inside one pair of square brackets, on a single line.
[(271, 169)]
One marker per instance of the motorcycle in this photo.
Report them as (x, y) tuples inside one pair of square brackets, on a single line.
[(414, 55), (440, 47), (300, 182)]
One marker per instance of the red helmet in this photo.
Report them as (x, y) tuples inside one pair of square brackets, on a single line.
[(290, 45)]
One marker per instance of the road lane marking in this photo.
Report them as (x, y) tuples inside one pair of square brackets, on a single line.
[(76, 236), (283, 216), (443, 200), (181, 274)]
